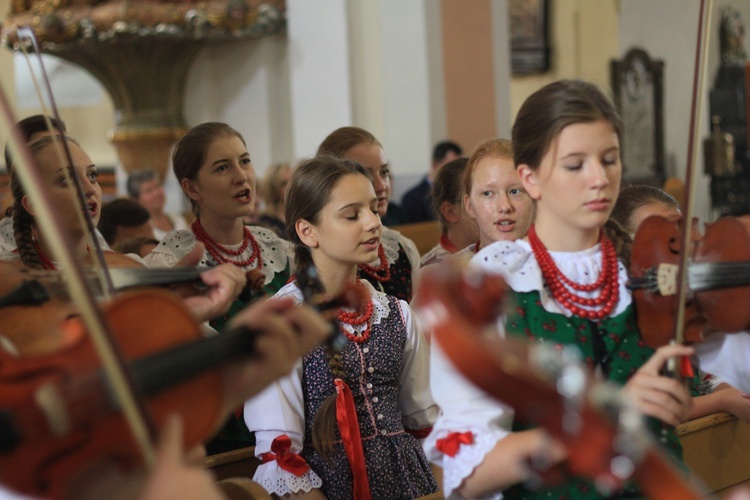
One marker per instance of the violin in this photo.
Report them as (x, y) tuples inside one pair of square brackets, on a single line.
[(604, 437), (59, 412), (718, 277)]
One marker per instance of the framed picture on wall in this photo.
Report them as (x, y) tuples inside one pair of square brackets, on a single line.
[(529, 42), (638, 88)]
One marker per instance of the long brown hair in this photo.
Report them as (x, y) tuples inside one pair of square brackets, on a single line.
[(343, 139), (308, 193)]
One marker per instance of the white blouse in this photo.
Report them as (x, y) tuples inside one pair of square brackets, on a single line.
[(466, 408), (275, 252), (280, 408)]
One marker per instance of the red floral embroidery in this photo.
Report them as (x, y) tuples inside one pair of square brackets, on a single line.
[(450, 444), (290, 462)]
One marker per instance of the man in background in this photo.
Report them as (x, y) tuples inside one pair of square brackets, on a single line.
[(416, 203)]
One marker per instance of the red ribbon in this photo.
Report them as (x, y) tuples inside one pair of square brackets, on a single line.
[(346, 417), (450, 444), (686, 367), (290, 462)]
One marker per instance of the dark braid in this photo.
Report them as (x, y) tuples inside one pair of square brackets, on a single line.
[(23, 221), (22, 224), (324, 423)]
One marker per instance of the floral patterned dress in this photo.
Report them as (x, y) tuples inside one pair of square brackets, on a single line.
[(612, 346)]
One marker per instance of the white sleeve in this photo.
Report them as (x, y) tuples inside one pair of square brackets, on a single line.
[(160, 259), (279, 410), (727, 356), (415, 399), (465, 408)]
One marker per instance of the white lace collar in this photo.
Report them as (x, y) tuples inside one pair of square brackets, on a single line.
[(380, 310)]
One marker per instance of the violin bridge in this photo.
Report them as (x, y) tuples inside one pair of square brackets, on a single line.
[(666, 279)]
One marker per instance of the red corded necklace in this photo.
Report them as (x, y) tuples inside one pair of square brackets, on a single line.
[(381, 273), (359, 317), (46, 261), (220, 252), (561, 286), (447, 244)]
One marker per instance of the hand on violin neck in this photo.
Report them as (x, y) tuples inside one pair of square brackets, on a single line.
[(285, 332), (225, 282), (656, 395)]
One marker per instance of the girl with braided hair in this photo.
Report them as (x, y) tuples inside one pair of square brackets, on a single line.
[(32, 246), (339, 424)]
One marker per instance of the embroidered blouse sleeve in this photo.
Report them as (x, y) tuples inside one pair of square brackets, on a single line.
[(415, 399), (278, 411), (470, 425), (172, 247)]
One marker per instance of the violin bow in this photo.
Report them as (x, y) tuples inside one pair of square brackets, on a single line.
[(696, 111), (49, 224), (26, 37)]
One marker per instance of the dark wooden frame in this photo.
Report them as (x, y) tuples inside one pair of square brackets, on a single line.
[(529, 39), (637, 64)]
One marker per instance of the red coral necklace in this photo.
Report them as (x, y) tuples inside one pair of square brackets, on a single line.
[(562, 287), (361, 316), (222, 254), (380, 273)]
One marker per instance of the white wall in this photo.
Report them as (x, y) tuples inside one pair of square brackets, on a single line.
[(667, 29)]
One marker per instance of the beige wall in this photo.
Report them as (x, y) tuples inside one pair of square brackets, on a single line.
[(468, 72), (584, 38)]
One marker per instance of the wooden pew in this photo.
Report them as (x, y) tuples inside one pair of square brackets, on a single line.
[(424, 234), (717, 450)]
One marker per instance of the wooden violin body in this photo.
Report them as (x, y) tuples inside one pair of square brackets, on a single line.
[(58, 413), (718, 278), (603, 436)]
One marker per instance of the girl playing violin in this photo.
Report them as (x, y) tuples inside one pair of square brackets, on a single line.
[(635, 204), (568, 287), (354, 444), (395, 268)]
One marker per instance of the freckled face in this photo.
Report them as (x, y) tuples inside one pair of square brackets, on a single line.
[(498, 202)]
